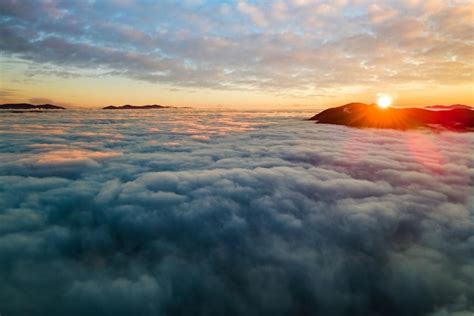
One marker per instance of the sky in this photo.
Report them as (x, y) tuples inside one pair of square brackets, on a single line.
[(232, 213), (236, 54)]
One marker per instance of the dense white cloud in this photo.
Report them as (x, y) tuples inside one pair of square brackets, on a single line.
[(259, 214)]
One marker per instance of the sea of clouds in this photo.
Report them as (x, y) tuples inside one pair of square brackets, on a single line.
[(183, 212)]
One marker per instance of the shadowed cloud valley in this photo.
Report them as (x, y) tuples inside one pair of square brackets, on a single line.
[(237, 213)]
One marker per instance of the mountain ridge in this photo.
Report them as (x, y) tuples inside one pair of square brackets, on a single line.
[(135, 107), (440, 107), (370, 115), (28, 106)]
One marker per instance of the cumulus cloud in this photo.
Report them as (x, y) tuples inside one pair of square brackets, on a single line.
[(253, 12), (297, 45), (232, 213)]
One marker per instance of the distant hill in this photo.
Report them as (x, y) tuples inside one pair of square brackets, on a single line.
[(448, 107), (370, 115), (27, 106), (135, 107)]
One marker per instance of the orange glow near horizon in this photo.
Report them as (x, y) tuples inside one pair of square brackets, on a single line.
[(70, 93), (262, 56)]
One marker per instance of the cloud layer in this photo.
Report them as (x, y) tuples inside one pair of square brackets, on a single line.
[(306, 46), (207, 213)]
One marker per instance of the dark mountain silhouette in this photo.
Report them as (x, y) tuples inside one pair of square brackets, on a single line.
[(135, 107), (438, 107), (370, 115), (27, 106)]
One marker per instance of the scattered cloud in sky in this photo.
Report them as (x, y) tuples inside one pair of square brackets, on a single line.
[(305, 47), (186, 212)]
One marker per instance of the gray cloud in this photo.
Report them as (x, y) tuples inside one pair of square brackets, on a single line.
[(307, 47), (134, 214)]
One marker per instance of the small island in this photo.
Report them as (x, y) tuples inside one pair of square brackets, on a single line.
[(28, 106), (460, 118), (136, 107)]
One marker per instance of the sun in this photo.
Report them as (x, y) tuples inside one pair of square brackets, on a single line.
[(384, 101)]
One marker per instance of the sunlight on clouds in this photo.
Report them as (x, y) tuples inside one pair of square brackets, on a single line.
[(282, 54), (72, 155)]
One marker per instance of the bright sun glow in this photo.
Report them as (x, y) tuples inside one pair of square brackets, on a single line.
[(384, 101)]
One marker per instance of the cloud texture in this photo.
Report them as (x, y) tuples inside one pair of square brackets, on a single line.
[(305, 46), (131, 214)]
